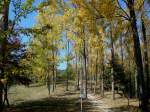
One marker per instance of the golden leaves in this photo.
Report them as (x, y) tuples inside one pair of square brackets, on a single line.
[(52, 58), (107, 8), (81, 13), (138, 4), (101, 32)]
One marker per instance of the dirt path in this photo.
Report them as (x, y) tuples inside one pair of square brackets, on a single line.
[(98, 103), (106, 104)]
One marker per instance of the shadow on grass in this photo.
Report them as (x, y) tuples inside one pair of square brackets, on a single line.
[(125, 109), (36, 85), (53, 104)]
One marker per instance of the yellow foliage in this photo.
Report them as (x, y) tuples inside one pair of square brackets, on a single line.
[(138, 4), (107, 8)]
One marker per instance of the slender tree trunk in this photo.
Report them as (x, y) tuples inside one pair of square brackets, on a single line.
[(91, 75), (53, 68), (136, 85), (4, 48), (130, 73), (138, 56), (96, 72), (84, 65), (94, 84), (130, 79), (78, 83), (146, 65), (102, 79), (48, 82), (121, 51), (81, 73), (77, 73), (6, 95), (1, 96), (112, 58), (53, 78), (113, 86), (91, 79), (56, 72), (67, 81)]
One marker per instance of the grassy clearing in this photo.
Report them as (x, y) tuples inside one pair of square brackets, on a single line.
[(36, 99)]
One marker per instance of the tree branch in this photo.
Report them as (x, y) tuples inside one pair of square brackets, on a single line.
[(123, 9)]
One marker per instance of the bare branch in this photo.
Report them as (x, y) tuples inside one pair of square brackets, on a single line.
[(119, 15), (120, 7)]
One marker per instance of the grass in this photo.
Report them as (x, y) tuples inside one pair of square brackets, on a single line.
[(36, 99), (18, 94)]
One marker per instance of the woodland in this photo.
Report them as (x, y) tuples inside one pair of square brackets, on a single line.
[(75, 49)]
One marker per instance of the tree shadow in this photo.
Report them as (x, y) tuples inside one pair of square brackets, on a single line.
[(53, 104), (125, 108)]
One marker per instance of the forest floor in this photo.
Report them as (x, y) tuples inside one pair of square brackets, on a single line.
[(36, 99)]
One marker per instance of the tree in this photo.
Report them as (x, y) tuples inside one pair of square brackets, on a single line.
[(9, 29), (146, 64), (138, 56)]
